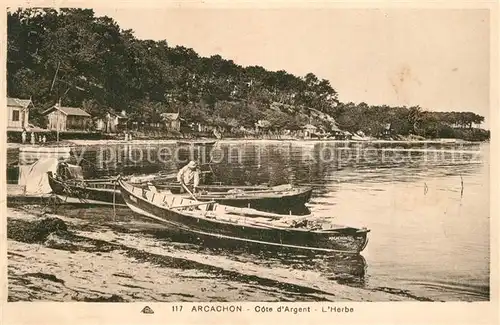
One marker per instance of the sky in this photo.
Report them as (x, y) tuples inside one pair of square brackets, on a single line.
[(436, 58)]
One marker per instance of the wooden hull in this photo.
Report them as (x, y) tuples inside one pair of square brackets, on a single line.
[(279, 201), (286, 204), (196, 143), (343, 240), (46, 199), (86, 193), (41, 149), (261, 198)]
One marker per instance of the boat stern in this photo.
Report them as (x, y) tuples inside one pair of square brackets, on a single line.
[(353, 241)]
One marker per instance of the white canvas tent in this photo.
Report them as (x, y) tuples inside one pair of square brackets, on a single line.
[(34, 177)]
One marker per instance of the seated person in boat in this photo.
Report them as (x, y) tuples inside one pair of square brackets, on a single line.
[(189, 176)]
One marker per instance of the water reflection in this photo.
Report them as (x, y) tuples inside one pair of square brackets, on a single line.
[(419, 200), (273, 163), (346, 269)]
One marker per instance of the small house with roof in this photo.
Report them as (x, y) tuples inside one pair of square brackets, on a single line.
[(337, 133), (309, 130), (112, 122), (172, 121), (17, 113), (67, 119)]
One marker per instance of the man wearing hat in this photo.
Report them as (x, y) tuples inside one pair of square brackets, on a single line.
[(189, 175)]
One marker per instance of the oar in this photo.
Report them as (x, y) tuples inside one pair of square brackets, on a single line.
[(187, 190), (191, 205), (318, 185), (258, 213), (308, 217)]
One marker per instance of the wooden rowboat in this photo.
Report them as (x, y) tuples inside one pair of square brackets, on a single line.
[(196, 142), (280, 199), (104, 191), (213, 220), (42, 149)]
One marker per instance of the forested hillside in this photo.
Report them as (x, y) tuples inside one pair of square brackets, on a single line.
[(90, 62)]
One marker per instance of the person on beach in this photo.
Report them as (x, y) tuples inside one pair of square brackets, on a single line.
[(189, 176)]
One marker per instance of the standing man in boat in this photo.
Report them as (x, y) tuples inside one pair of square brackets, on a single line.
[(189, 175)]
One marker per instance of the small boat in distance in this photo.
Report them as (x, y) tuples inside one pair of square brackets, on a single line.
[(42, 149), (211, 220), (196, 142)]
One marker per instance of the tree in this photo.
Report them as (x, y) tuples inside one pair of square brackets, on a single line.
[(414, 117)]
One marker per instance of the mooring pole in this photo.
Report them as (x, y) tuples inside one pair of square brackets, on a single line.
[(114, 201)]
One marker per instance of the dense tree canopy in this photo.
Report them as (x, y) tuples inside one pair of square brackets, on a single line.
[(74, 55), (88, 61)]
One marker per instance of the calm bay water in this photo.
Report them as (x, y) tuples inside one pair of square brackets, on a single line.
[(427, 206)]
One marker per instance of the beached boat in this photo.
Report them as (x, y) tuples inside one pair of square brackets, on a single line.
[(42, 149), (280, 199), (196, 142), (211, 220), (99, 191), (70, 183)]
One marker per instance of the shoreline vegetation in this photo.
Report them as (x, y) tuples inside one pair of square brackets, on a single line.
[(91, 63)]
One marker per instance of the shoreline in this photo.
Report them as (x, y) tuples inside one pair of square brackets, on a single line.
[(96, 262), (80, 143)]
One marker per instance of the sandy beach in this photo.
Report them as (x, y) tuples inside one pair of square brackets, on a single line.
[(100, 260)]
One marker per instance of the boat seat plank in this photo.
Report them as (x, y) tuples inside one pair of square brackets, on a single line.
[(158, 198), (169, 200), (203, 207), (220, 209), (177, 201)]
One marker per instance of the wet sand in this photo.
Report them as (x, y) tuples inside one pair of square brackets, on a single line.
[(87, 260)]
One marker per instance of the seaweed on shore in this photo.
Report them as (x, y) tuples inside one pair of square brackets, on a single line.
[(45, 276), (112, 298), (35, 231)]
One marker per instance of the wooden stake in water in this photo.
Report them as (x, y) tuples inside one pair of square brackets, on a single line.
[(114, 201), (462, 186)]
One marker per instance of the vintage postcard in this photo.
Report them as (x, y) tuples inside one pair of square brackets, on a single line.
[(256, 162)]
